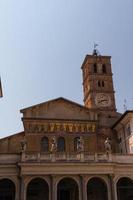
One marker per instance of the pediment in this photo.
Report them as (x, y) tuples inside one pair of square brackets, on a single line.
[(60, 108)]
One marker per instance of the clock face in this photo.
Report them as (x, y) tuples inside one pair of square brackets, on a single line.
[(103, 100)]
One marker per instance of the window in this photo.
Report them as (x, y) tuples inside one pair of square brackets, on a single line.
[(61, 144), (102, 83), (95, 68), (44, 144), (104, 68), (99, 84)]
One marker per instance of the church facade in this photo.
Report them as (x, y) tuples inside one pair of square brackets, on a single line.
[(69, 151)]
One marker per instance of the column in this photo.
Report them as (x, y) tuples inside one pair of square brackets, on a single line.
[(83, 187), (53, 188), (112, 187), (22, 189), (17, 193), (80, 188)]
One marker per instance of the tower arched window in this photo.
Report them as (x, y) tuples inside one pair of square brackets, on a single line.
[(95, 67), (44, 144), (104, 69), (61, 144), (103, 84), (99, 84)]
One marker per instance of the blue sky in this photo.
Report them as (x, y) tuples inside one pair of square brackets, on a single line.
[(43, 44)]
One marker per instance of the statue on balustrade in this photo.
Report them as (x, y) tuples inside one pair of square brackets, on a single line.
[(107, 145), (23, 144), (53, 145), (80, 144)]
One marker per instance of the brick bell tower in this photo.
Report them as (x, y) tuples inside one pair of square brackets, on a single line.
[(98, 83)]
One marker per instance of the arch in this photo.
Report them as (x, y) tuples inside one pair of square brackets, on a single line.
[(104, 70), (67, 189), (97, 189), (103, 83), (61, 146), (45, 144), (7, 189), (99, 84), (37, 189), (95, 67), (125, 189)]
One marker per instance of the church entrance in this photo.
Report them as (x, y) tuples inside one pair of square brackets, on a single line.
[(67, 190), (96, 189), (125, 189), (7, 190), (37, 189)]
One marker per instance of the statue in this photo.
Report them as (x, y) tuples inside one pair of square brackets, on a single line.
[(107, 144), (23, 144), (80, 144), (53, 145)]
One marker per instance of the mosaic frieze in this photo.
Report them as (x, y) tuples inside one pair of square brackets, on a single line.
[(61, 127)]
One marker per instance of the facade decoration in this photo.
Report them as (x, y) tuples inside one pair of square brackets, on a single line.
[(107, 144), (80, 144), (60, 126), (53, 145)]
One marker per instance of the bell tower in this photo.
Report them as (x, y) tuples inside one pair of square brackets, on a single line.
[(98, 82)]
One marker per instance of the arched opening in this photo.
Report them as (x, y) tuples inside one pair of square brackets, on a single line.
[(96, 189), (37, 189), (103, 84), (61, 144), (125, 189), (67, 189), (104, 68), (44, 144), (95, 68), (7, 190), (99, 84)]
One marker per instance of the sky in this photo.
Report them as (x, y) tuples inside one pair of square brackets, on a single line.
[(43, 44)]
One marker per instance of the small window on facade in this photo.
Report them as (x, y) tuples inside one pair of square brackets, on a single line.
[(104, 68), (61, 144), (95, 68), (99, 84), (102, 83), (44, 144), (76, 143)]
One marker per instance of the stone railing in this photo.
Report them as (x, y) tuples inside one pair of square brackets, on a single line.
[(64, 157), (76, 157), (9, 158)]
